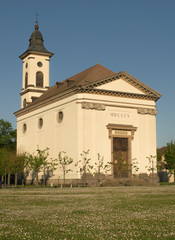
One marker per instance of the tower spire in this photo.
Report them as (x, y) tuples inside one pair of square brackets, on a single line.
[(37, 15), (36, 25)]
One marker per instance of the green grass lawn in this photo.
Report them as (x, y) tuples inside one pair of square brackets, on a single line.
[(88, 213)]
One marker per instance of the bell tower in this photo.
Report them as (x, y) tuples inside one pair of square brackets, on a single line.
[(35, 79)]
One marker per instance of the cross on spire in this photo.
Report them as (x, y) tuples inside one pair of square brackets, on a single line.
[(37, 15)]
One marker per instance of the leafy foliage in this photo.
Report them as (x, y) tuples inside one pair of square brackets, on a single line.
[(100, 166), (84, 164), (134, 167), (39, 162), (170, 158), (64, 161), (7, 135), (160, 163), (151, 167)]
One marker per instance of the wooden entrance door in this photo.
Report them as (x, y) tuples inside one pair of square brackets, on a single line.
[(120, 157)]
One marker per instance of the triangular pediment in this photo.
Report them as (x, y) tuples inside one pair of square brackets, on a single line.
[(124, 83), (120, 85)]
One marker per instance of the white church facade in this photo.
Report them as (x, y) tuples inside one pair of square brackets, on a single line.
[(110, 113)]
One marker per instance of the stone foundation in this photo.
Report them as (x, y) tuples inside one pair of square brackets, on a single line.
[(141, 179)]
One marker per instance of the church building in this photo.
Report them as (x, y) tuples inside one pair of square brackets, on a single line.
[(113, 114)]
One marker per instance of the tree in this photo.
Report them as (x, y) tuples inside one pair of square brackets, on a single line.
[(133, 167), (170, 158), (84, 164), (36, 162), (7, 135), (4, 163), (40, 162), (64, 161), (19, 164), (48, 164), (160, 162), (101, 166), (152, 166)]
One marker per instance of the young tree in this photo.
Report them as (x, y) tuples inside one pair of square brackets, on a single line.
[(36, 162), (84, 164), (42, 157), (133, 167), (170, 158), (152, 166), (101, 166), (40, 162), (64, 161)]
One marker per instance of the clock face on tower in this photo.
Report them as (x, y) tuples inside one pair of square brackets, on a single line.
[(39, 64)]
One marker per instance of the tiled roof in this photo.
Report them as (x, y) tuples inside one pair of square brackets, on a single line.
[(86, 82), (83, 78)]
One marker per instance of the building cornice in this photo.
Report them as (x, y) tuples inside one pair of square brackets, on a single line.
[(28, 52), (37, 105), (128, 78), (115, 93), (33, 90)]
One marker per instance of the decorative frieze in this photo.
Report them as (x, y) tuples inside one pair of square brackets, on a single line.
[(146, 111), (96, 106)]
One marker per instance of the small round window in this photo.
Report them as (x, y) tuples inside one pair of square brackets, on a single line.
[(39, 64), (40, 123), (60, 117), (24, 128)]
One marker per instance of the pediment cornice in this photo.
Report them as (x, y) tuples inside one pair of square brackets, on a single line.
[(147, 91)]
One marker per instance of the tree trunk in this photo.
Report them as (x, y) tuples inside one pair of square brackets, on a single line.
[(64, 177), (44, 176), (22, 176), (16, 178), (8, 179), (5, 180), (2, 178), (36, 178)]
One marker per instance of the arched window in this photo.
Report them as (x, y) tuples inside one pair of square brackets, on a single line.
[(39, 79), (26, 80)]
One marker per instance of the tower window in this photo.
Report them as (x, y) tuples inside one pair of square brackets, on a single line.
[(39, 79), (24, 128), (26, 80), (24, 102)]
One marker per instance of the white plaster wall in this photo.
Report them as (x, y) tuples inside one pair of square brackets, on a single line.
[(83, 129), (54, 135)]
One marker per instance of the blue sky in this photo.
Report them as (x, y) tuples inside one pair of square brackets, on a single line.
[(136, 36)]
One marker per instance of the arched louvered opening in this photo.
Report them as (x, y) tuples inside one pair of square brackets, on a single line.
[(39, 79), (26, 80)]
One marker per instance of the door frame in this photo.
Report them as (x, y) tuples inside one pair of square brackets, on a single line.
[(121, 131)]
